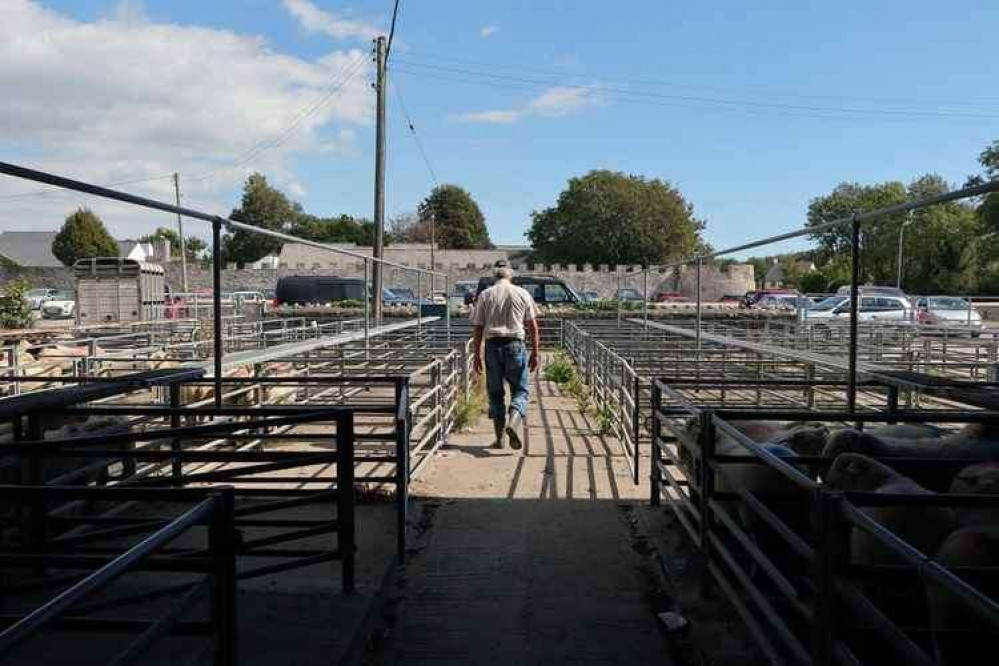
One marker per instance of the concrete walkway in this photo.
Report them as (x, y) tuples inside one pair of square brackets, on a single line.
[(528, 559)]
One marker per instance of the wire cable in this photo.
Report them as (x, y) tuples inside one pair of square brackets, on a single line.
[(388, 47), (702, 99), (412, 131)]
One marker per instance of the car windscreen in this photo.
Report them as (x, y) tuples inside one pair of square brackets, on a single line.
[(36, 293), (828, 304), (63, 295), (948, 303)]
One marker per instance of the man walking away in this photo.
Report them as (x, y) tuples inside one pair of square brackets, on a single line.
[(503, 315)]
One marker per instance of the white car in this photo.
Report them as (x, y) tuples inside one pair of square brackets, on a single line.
[(948, 312), (874, 307), (62, 305), (36, 297)]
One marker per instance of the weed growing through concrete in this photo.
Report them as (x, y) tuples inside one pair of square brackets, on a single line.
[(471, 407), (560, 368)]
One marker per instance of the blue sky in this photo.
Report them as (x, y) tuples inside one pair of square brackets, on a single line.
[(750, 109)]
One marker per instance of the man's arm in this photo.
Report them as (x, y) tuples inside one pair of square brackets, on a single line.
[(535, 335), (477, 349)]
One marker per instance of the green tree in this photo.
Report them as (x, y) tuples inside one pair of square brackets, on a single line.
[(339, 229), (82, 236), (194, 247), (458, 222), (608, 217), (15, 311), (265, 207), (878, 241)]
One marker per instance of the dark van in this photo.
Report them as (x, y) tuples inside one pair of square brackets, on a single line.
[(545, 290), (308, 289)]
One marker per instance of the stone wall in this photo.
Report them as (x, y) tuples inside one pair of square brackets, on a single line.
[(715, 283)]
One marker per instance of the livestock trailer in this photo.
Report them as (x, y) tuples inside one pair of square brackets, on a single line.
[(112, 289)]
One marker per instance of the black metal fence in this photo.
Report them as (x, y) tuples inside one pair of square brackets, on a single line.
[(782, 548)]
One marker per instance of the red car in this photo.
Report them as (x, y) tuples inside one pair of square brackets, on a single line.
[(670, 297)]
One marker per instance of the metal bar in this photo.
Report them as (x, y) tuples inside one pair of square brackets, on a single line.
[(345, 497), (851, 391), (222, 541), (25, 628), (217, 306)]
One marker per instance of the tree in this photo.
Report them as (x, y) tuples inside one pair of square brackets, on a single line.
[(194, 247), (265, 207), (607, 217), (339, 229), (15, 311), (934, 240), (82, 236), (458, 222), (878, 240), (408, 228)]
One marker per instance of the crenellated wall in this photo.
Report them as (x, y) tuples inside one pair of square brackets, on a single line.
[(604, 280)]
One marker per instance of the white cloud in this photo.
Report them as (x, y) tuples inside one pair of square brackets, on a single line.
[(488, 31), (314, 19), (122, 98), (554, 102)]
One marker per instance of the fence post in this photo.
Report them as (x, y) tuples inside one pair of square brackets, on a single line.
[(706, 442), (345, 497), (636, 416), (830, 537), (176, 466), (401, 465), (655, 477), (222, 543)]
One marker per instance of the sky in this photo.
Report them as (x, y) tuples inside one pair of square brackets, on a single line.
[(749, 109)]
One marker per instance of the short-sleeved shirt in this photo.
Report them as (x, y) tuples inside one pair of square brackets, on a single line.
[(502, 309)]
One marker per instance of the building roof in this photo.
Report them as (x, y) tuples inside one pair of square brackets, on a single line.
[(29, 248), (775, 274)]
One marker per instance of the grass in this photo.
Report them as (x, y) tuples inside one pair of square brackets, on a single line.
[(470, 408), (560, 369)]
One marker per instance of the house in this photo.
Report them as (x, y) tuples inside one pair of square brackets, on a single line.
[(155, 252), (774, 279), (28, 248), (33, 249)]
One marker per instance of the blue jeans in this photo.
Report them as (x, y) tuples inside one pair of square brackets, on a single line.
[(506, 360)]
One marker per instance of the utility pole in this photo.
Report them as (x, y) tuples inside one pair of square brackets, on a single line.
[(433, 238), (180, 232), (380, 81)]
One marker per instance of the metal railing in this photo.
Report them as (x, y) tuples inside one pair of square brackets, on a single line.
[(778, 543), (214, 569)]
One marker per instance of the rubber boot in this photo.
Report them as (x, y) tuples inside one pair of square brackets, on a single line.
[(499, 427), (514, 422)]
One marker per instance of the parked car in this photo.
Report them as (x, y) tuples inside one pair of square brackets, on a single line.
[(398, 296), (311, 290), (61, 305), (628, 295), (36, 297), (872, 308), (545, 290), (783, 302), (752, 298), (463, 292), (949, 312), (589, 296), (731, 298), (670, 297)]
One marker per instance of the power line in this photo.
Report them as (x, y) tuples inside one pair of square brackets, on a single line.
[(700, 99), (412, 131), (388, 47), (282, 137), (729, 90)]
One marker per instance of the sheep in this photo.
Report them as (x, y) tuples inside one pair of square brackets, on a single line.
[(973, 442), (962, 635), (923, 528)]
